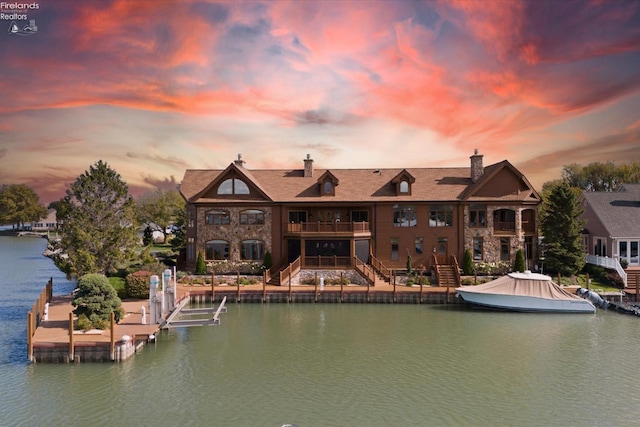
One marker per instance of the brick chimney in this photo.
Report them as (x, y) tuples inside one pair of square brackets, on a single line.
[(308, 166), (477, 170), (239, 162)]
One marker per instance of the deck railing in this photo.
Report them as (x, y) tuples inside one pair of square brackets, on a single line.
[(327, 261), (610, 263), (365, 270), (380, 268), (328, 227), (289, 271)]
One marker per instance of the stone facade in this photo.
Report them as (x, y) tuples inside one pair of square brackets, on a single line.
[(234, 232), (491, 241)]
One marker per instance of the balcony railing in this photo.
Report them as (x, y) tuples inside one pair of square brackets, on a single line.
[(504, 227), (328, 227), (327, 261), (610, 263)]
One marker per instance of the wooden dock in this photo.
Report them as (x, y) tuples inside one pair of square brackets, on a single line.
[(52, 339)]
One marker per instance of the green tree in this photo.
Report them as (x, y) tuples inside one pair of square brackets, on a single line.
[(268, 261), (160, 210), (147, 236), (467, 263), (96, 299), (562, 230), (179, 240), (201, 267), (99, 230), (519, 264), (20, 204), (599, 176)]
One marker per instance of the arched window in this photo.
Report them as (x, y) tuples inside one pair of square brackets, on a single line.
[(217, 217), (252, 216), (404, 186), (328, 188), (252, 250), (217, 250), (233, 186)]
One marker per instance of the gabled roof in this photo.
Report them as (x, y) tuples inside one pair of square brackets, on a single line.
[(491, 184), (403, 174), (328, 176), (221, 176), (618, 211), (367, 185)]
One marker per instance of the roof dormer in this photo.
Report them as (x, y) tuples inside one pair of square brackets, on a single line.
[(328, 183), (403, 182)]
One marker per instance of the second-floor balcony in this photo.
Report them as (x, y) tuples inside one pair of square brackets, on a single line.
[(504, 227), (337, 228)]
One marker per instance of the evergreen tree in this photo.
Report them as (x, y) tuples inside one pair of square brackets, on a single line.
[(99, 230), (201, 267), (147, 236), (96, 299), (562, 230), (519, 264), (467, 263), (268, 261), (20, 204)]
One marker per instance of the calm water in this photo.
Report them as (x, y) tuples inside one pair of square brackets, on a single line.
[(327, 365)]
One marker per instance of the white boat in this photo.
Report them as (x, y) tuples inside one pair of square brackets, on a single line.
[(525, 292)]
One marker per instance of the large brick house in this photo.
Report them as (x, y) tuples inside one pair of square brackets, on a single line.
[(326, 217)]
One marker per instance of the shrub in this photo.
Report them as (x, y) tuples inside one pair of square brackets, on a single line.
[(268, 261), (147, 237), (137, 284), (201, 267), (519, 264), (467, 263), (96, 299)]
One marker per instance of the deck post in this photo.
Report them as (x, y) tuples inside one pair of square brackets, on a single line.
[(112, 336), (71, 355), (30, 336), (289, 288), (238, 294), (368, 290), (213, 287), (264, 286), (315, 293), (394, 286), (341, 288), (420, 298)]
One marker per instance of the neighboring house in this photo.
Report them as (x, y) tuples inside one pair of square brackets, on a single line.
[(329, 216), (612, 225), (48, 223)]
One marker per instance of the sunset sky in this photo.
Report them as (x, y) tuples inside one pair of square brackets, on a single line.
[(156, 87)]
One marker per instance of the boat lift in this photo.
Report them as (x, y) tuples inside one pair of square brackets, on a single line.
[(161, 303), (215, 320)]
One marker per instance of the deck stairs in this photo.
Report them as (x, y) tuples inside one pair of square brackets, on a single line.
[(447, 271), (633, 277)]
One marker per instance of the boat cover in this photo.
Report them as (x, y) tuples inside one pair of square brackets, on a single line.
[(525, 284)]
